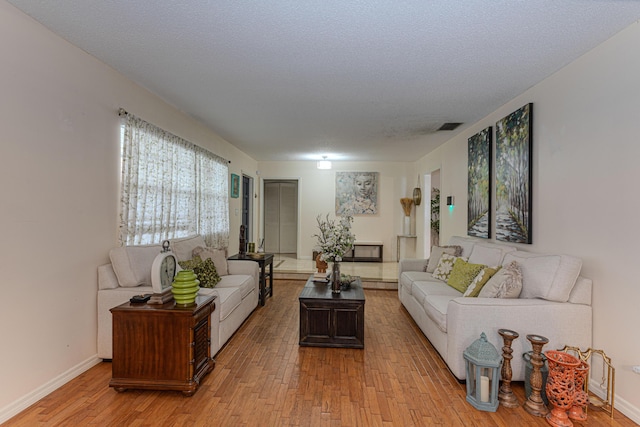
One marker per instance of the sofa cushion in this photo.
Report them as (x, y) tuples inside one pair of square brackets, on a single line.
[(463, 274), (549, 277), (506, 283), (228, 300), (107, 278), (242, 281), (183, 247), (444, 268), (408, 278), (132, 264), (489, 254), (465, 243), (479, 281), (218, 256), (422, 290), (436, 253), (436, 308)]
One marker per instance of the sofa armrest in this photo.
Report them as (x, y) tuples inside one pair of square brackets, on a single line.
[(412, 264), (562, 323), (249, 268), (107, 277), (581, 292)]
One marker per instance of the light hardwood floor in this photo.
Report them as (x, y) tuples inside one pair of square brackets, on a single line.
[(263, 378)]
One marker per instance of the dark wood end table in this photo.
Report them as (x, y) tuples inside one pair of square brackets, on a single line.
[(264, 260), (162, 347), (331, 320)]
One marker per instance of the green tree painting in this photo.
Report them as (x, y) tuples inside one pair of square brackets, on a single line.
[(479, 184), (513, 176)]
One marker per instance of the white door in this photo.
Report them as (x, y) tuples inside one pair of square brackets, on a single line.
[(281, 216)]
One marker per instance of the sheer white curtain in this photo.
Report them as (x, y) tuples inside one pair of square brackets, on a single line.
[(170, 188)]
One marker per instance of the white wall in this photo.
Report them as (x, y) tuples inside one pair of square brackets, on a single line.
[(59, 194), (59, 199), (316, 196), (586, 145)]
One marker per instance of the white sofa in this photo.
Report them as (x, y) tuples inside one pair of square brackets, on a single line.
[(237, 292), (555, 302)]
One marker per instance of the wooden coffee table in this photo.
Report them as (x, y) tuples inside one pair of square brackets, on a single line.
[(331, 320)]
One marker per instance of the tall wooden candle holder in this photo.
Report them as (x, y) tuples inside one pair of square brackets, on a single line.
[(534, 404), (505, 394)]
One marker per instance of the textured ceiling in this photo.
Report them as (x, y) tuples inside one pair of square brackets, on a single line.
[(351, 79)]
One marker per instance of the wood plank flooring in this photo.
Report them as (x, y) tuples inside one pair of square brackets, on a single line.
[(263, 378)]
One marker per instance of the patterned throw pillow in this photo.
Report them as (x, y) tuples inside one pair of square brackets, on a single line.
[(445, 265), (479, 281), (506, 283), (218, 256), (436, 254), (463, 274), (205, 270)]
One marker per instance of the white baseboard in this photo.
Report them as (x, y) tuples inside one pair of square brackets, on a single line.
[(619, 404), (24, 402)]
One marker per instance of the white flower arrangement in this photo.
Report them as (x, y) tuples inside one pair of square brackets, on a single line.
[(335, 238)]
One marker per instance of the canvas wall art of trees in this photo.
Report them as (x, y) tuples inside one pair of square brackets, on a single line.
[(479, 184), (513, 176)]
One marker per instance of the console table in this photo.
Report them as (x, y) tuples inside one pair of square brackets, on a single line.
[(402, 236), (263, 260), (364, 251), (162, 347), (331, 320)]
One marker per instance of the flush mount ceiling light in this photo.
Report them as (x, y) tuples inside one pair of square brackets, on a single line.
[(324, 163)]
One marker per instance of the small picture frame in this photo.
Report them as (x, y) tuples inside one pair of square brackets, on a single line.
[(235, 186)]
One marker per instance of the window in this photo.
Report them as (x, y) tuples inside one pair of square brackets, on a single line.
[(170, 188)]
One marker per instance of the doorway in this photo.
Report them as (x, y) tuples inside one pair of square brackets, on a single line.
[(247, 207), (281, 216), (431, 211)]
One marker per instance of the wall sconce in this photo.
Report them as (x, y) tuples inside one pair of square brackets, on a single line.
[(417, 194), (324, 163), (449, 200)]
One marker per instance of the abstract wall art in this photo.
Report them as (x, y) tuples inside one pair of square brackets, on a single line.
[(479, 184), (514, 176)]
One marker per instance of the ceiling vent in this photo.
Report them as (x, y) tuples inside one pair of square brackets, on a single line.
[(449, 126)]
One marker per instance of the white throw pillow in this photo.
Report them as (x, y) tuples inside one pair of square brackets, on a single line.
[(506, 283), (183, 247)]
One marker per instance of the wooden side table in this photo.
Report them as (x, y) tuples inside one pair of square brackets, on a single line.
[(162, 347), (264, 260)]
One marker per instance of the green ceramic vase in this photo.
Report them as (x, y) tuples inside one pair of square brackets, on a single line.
[(185, 287)]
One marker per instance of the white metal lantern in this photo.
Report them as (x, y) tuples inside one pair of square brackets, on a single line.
[(483, 363)]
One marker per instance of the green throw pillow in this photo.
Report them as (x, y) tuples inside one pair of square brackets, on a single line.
[(205, 270), (479, 281), (190, 264), (463, 274)]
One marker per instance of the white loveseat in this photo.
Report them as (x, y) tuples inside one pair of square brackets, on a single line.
[(129, 274), (555, 302)]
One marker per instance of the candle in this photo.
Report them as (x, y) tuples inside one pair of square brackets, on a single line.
[(484, 388)]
